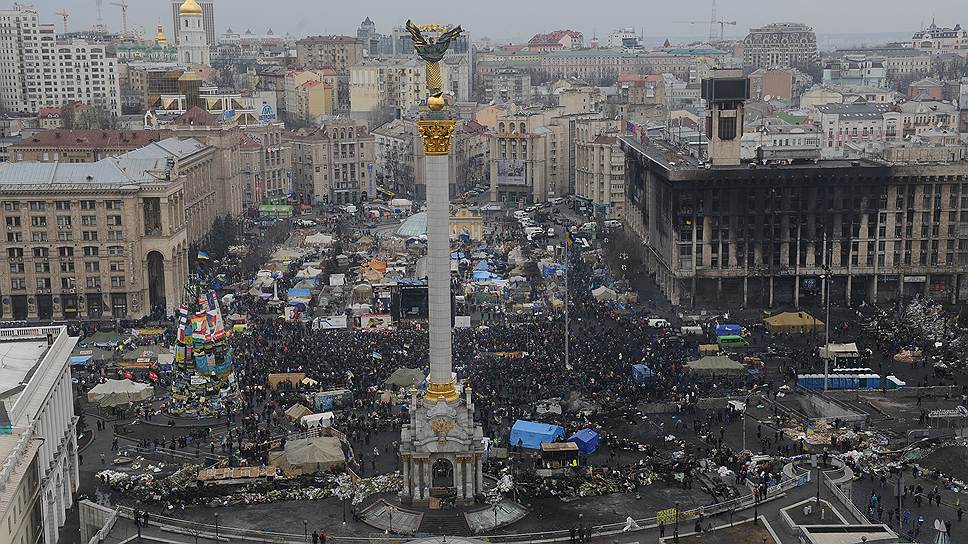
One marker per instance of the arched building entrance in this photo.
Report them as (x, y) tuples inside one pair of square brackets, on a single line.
[(156, 279), (443, 473)]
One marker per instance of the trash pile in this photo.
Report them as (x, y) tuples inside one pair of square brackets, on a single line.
[(180, 489), (594, 484)]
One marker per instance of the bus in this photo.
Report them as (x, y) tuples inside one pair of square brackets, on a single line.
[(732, 341)]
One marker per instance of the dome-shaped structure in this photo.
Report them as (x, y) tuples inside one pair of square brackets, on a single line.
[(160, 38), (190, 7), (415, 225)]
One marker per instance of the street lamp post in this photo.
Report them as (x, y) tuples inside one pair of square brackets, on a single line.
[(756, 504), (216, 526), (305, 531), (675, 530)]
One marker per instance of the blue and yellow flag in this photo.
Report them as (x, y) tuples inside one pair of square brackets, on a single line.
[(569, 238), (203, 255)]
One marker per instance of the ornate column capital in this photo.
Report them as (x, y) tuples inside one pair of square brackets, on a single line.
[(436, 134)]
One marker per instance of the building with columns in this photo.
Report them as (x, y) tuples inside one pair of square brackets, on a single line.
[(38, 434), (103, 240), (193, 44)]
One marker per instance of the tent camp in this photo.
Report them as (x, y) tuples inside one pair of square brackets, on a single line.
[(405, 377), (118, 392), (604, 293), (324, 419), (793, 322), (531, 434), (308, 455), (292, 377), (716, 365), (587, 441), (297, 412)]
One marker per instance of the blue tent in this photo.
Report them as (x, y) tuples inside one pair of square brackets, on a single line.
[(586, 440), (642, 374), (484, 275), (728, 330), (456, 255), (298, 293), (532, 434), (482, 266), (80, 360)]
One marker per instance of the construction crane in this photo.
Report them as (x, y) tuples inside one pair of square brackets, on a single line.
[(722, 27), (64, 15), (123, 4), (99, 27)]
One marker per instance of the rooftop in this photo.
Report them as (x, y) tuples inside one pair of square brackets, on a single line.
[(132, 168), (18, 360), (90, 139)]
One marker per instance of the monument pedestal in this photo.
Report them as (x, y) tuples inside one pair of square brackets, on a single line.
[(442, 452)]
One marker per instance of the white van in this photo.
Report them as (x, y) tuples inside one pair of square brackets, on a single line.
[(658, 323), (531, 232), (613, 224)]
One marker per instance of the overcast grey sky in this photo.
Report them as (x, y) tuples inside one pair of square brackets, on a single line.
[(506, 20)]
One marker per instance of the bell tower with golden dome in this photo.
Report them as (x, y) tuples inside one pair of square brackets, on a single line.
[(193, 47)]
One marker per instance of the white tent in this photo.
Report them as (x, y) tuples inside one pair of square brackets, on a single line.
[(324, 419), (118, 392), (604, 293), (841, 351), (319, 239)]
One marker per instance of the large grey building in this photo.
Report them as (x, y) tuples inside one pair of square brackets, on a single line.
[(208, 19), (780, 44), (761, 235)]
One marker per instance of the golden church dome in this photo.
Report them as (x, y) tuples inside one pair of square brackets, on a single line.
[(190, 7)]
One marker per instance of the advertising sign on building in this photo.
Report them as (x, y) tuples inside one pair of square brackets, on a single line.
[(511, 172)]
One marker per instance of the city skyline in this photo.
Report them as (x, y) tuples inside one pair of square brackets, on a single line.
[(656, 21)]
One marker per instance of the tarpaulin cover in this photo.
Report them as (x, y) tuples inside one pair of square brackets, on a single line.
[(728, 330), (793, 322), (482, 275), (531, 434), (78, 360), (482, 266), (586, 440), (642, 373), (299, 293)]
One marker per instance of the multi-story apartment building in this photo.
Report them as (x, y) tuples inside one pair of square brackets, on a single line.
[(41, 71), (337, 52), (294, 79), (394, 156), (396, 84), (118, 246), (79, 145), (855, 70), (938, 40), (600, 168), (780, 44), (556, 41), (765, 236), (508, 85), (38, 445), (334, 163), (858, 124), (529, 152), (208, 19), (266, 164), (225, 138)]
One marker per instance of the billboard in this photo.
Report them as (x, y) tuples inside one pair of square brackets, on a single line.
[(330, 322), (511, 172), (375, 322)]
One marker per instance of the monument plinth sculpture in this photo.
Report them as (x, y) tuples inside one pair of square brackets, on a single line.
[(441, 445)]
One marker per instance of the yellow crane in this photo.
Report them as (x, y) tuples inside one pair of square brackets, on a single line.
[(64, 15), (123, 4)]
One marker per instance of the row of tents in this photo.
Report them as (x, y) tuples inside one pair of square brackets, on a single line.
[(532, 434)]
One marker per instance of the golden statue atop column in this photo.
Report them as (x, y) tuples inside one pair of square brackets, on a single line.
[(435, 128)]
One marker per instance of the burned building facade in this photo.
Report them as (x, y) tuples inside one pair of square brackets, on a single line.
[(765, 235)]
